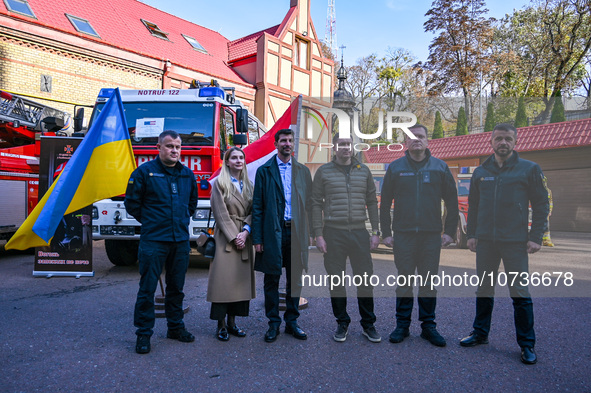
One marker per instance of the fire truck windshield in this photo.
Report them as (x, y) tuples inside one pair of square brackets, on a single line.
[(463, 187), (194, 121)]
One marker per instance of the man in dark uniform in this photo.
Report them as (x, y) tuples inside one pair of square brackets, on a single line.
[(281, 200), (342, 192), (417, 183), (501, 190), (162, 195)]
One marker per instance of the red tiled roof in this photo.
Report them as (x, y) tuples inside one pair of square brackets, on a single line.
[(247, 46), (118, 24), (543, 137)]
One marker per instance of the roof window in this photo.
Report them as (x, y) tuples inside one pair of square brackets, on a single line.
[(82, 25), (194, 43), (155, 30), (20, 7)]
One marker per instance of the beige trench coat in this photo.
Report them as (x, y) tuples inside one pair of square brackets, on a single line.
[(231, 274)]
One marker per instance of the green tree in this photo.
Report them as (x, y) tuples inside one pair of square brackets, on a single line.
[(550, 41), (521, 117), (438, 127), (390, 72), (462, 125), (490, 122), (557, 110), (458, 55)]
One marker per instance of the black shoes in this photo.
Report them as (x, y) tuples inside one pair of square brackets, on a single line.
[(473, 339), (341, 334), (528, 355), (271, 334), (432, 335), (180, 334), (236, 331), (222, 334), (372, 334), (142, 344), (296, 331), (398, 335)]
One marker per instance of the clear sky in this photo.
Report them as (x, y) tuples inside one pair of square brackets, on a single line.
[(363, 26)]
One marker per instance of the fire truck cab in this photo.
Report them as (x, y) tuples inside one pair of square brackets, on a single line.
[(209, 120)]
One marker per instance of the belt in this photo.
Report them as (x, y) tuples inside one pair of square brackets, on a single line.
[(287, 224)]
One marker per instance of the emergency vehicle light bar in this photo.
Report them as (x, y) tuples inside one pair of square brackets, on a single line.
[(212, 92)]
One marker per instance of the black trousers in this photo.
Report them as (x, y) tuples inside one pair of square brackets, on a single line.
[(271, 286), (416, 252), (153, 256), (354, 244), (515, 260)]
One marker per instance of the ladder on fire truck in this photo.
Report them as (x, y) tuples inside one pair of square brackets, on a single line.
[(21, 119)]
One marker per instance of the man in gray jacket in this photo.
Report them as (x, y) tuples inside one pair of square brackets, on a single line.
[(341, 191)]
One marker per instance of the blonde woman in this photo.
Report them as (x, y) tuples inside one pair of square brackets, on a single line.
[(231, 275)]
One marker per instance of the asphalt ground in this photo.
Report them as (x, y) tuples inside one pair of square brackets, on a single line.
[(66, 334)]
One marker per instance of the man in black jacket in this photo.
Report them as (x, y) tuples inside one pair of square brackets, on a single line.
[(342, 191), (162, 195), (280, 206), (501, 190), (417, 183)]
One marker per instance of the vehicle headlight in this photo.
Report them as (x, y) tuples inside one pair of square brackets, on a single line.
[(201, 214)]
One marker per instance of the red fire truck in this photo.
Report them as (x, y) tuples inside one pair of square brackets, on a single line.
[(21, 122), (463, 190), (209, 120)]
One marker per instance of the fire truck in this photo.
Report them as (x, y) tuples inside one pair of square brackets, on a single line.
[(22, 121), (208, 118)]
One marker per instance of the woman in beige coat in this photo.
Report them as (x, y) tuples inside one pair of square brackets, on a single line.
[(231, 275)]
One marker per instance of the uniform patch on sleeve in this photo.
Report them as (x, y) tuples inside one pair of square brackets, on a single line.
[(130, 180)]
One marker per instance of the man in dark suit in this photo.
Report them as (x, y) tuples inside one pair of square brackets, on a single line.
[(282, 194)]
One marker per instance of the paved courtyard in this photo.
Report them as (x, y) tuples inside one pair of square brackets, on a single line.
[(67, 334)]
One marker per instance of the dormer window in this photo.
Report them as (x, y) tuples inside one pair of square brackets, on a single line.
[(82, 25), (155, 30)]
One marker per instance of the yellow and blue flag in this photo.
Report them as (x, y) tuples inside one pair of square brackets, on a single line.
[(99, 169)]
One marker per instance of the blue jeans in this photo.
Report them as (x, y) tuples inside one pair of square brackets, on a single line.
[(153, 256)]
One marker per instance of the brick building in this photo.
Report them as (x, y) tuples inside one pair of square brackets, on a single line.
[(62, 52)]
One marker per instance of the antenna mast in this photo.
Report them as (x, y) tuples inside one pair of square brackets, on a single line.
[(330, 33)]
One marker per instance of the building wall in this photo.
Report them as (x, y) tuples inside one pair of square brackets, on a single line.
[(280, 78), (569, 177), (80, 68), (76, 78)]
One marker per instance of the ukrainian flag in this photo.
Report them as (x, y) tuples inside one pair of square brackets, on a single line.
[(99, 169)]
